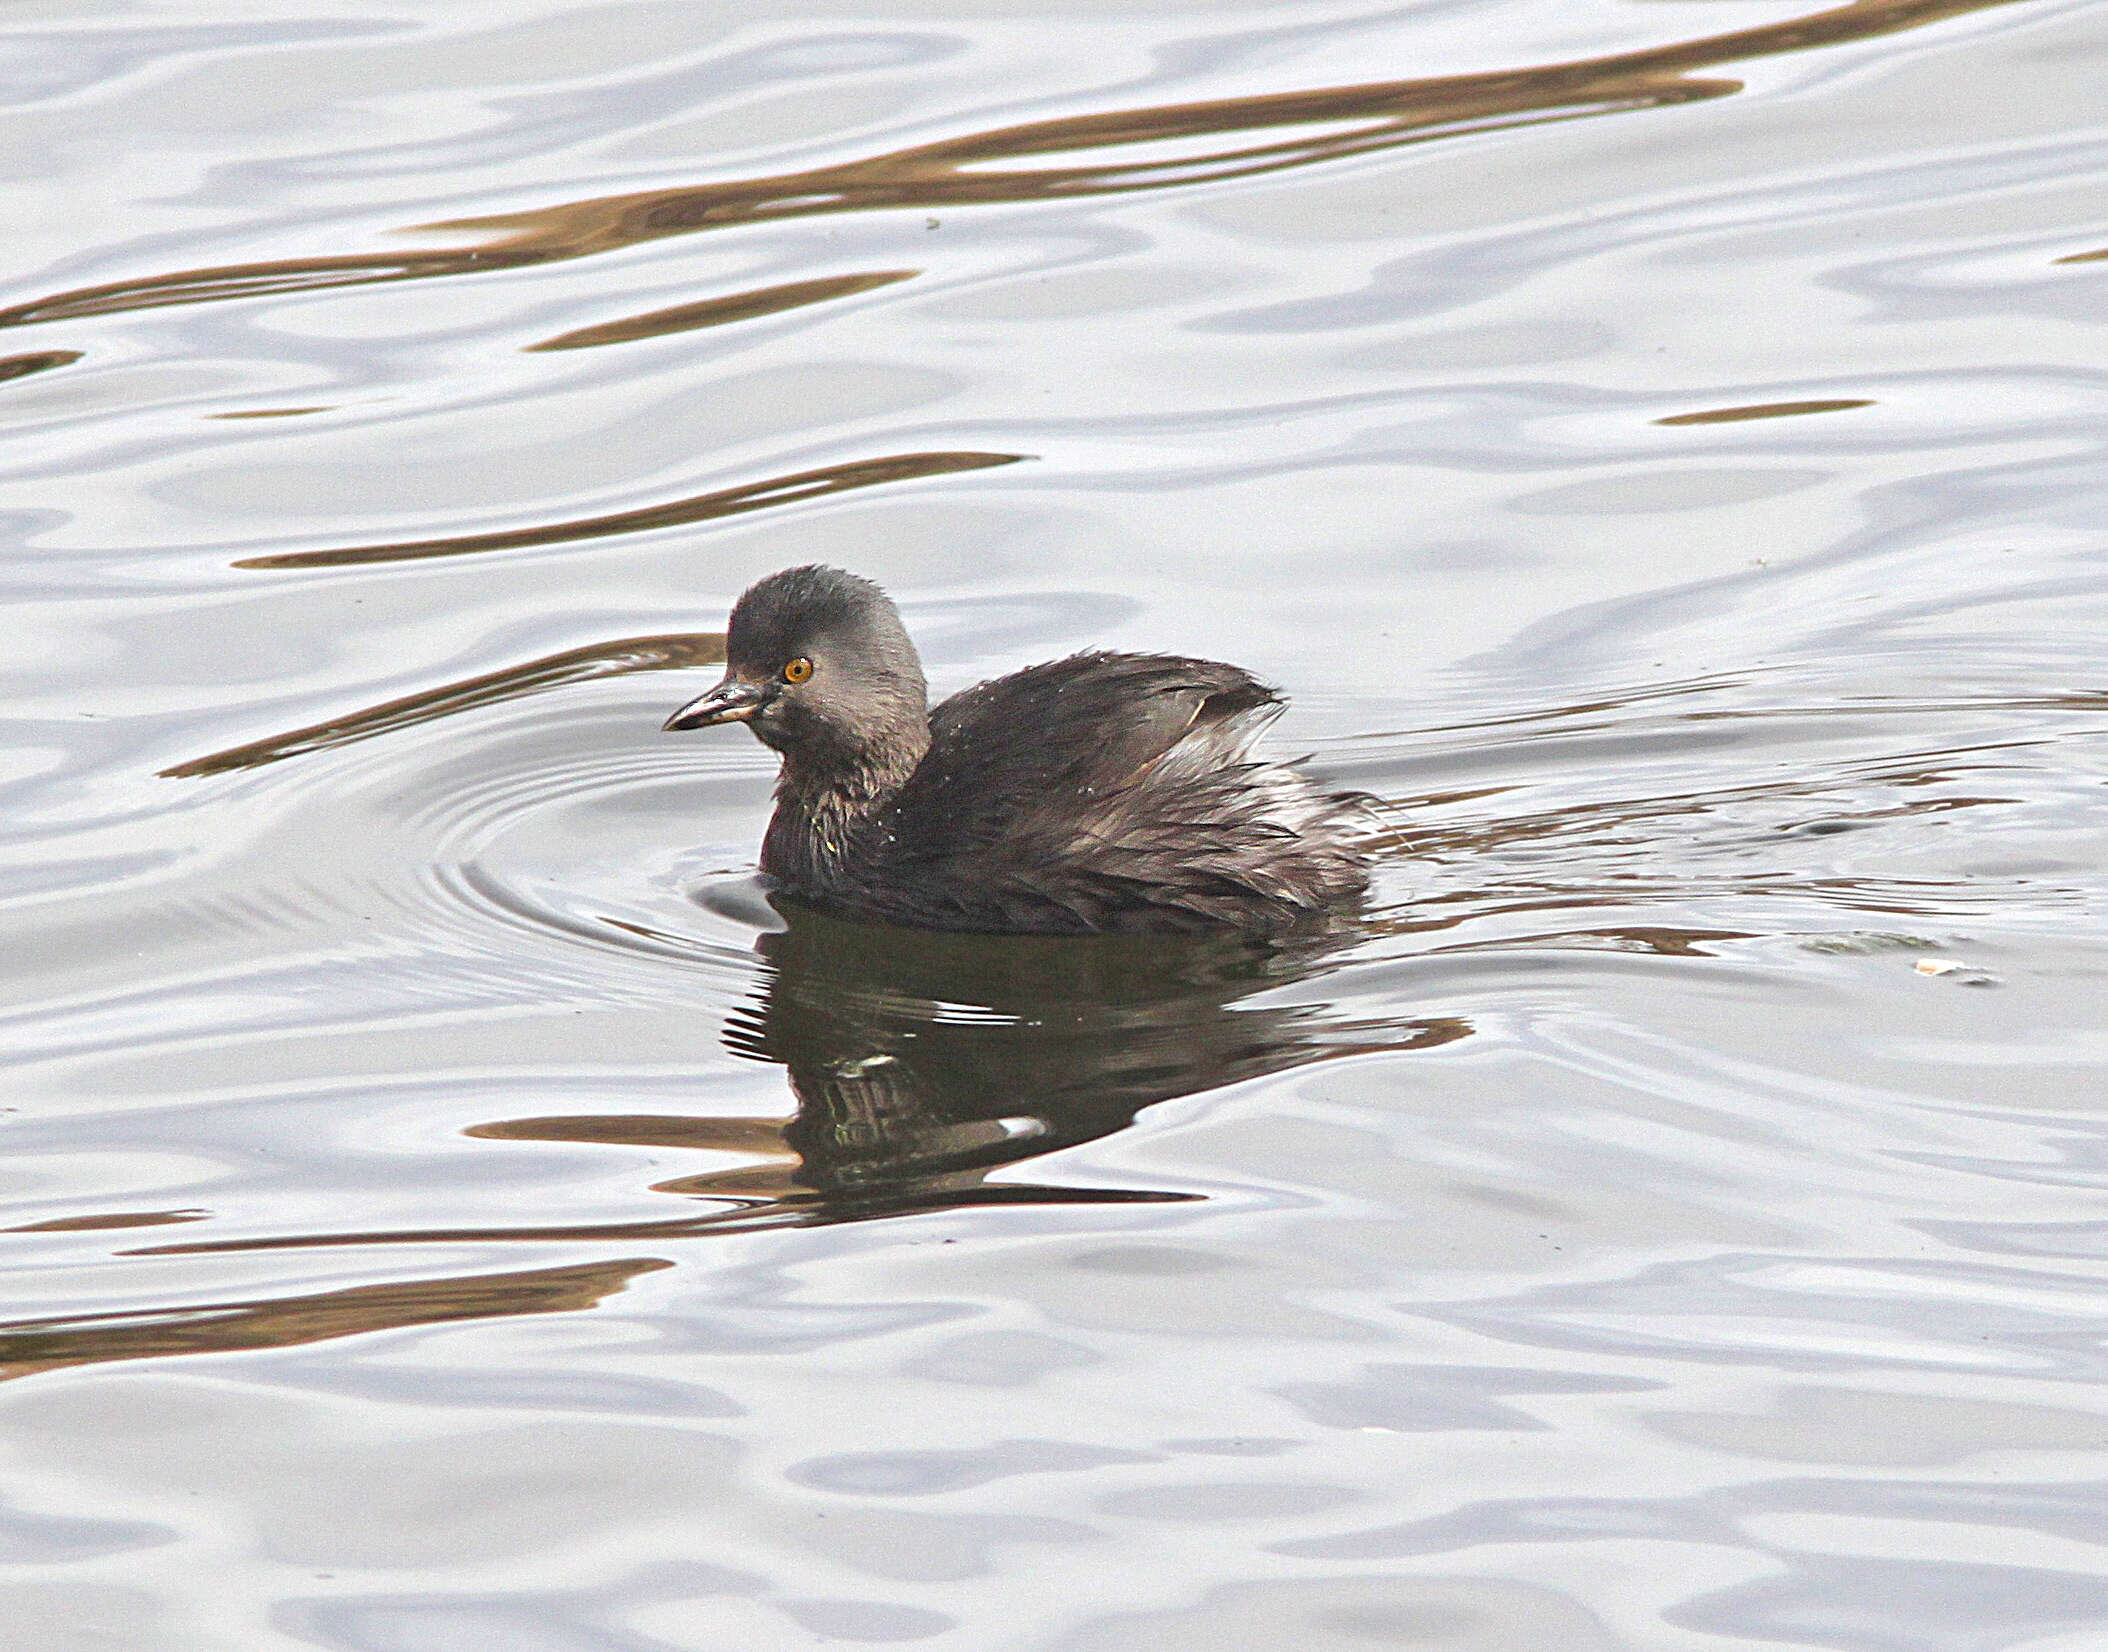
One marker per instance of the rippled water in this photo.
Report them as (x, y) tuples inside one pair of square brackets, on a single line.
[(1658, 446)]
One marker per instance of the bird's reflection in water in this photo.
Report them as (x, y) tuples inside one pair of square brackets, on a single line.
[(919, 1063), (922, 1061)]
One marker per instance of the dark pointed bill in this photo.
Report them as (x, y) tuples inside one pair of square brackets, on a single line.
[(732, 701)]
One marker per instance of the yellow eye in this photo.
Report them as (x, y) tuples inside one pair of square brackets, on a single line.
[(798, 670)]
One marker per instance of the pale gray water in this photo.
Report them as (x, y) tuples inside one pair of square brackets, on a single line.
[(1642, 1239)]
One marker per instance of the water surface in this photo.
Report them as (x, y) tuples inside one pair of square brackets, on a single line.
[(1655, 443)]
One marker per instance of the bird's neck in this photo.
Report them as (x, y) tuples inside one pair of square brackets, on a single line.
[(827, 813)]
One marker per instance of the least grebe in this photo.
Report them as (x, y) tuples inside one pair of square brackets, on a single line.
[(1103, 792)]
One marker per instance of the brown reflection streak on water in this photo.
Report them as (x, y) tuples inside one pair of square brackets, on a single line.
[(1764, 410), (31, 1345), (763, 1140), (703, 507), (40, 361), (747, 1216), (254, 280), (957, 172), (268, 413), (717, 312), (120, 1219), (715, 1135), (602, 659)]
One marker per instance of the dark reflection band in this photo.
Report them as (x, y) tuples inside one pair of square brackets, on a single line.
[(717, 312), (31, 1345), (40, 361), (702, 507), (601, 659), (1766, 410), (969, 170)]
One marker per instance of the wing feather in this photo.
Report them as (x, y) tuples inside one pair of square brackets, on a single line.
[(1110, 791)]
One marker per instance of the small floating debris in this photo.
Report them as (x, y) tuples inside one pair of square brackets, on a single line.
[(1953, 969)]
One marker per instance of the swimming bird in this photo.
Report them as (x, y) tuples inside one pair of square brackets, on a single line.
[(1099, 793)]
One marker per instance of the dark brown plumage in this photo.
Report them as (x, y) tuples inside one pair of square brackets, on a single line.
[(1104, 792)]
